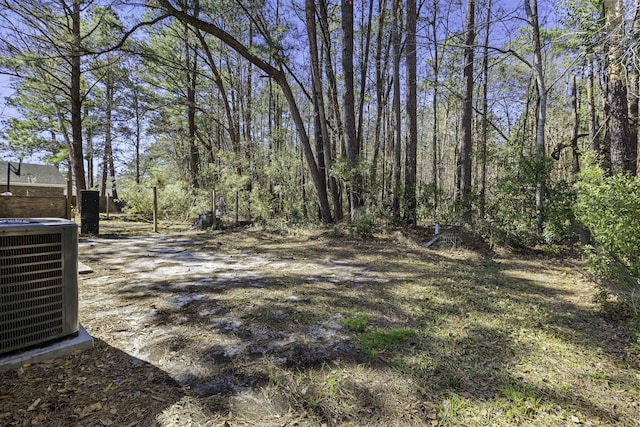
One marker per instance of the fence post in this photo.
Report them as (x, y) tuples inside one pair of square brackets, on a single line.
[(237, 206), (69, 198), (214, 206), (155, 209)]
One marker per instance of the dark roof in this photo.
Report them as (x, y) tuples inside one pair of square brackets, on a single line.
[(30, 174)]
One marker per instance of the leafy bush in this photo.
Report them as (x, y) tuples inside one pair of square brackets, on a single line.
[(137, 197), (280, 197), (364, 224), (608, 206), (261, 204), (560, 224), (513, 215), (175, 200)]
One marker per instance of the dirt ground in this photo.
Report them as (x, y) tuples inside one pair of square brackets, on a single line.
[(237, 327)]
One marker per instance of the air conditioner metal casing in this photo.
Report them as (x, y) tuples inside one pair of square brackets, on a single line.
[(38, 281)]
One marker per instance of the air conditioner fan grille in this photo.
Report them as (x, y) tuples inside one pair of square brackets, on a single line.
[(31, 289)]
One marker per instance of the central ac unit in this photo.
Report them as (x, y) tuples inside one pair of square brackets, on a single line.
[(38, 282)]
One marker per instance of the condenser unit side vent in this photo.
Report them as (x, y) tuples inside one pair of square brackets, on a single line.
[(38, 283)]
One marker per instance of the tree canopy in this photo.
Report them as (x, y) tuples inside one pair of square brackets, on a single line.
[(401, 112)]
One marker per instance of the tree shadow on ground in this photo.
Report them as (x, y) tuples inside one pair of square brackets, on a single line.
[(100, 386), (471, 318)]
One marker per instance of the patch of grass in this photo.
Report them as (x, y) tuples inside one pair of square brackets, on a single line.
[(524, 402), (597, 375), (355, 321), (376, 303), (519, 394), (451, 409), (379, 340), (313, 403), (289, 283), (272, 372), (331, 385)]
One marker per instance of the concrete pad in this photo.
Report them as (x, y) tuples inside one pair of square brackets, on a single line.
[(82, 341), (84, 268)]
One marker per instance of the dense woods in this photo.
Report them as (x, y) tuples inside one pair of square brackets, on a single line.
[(477, 112)]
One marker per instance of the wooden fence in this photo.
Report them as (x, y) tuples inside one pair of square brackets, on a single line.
[(34, 207)]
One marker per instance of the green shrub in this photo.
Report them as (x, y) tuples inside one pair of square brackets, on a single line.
[(364, 224), (608, 206), (560, 223), (138, 198), (512, 217), (175, 200)]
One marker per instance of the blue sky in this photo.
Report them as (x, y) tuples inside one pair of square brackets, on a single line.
[(6, 111)]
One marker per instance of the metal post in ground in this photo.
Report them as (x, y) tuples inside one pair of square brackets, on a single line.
[(155, 209)]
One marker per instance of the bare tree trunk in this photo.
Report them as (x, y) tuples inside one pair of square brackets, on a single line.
[(353, 148), (305, 213), (324, 155), (633, 95), (333, 113), (248, 119), (583, 233), (467, 116), (138, 131), (410, 172), (381, 65), (594, 135), (192, 71), (485, 112), (575, 132), (364, 63), (616, 109), (397, 142), (90, 153), (531, 7), (436, 82), (77, 158), (112, 171), (107, 155)]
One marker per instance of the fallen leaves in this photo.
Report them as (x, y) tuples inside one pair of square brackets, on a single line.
[(87, 410), (34, 405)]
